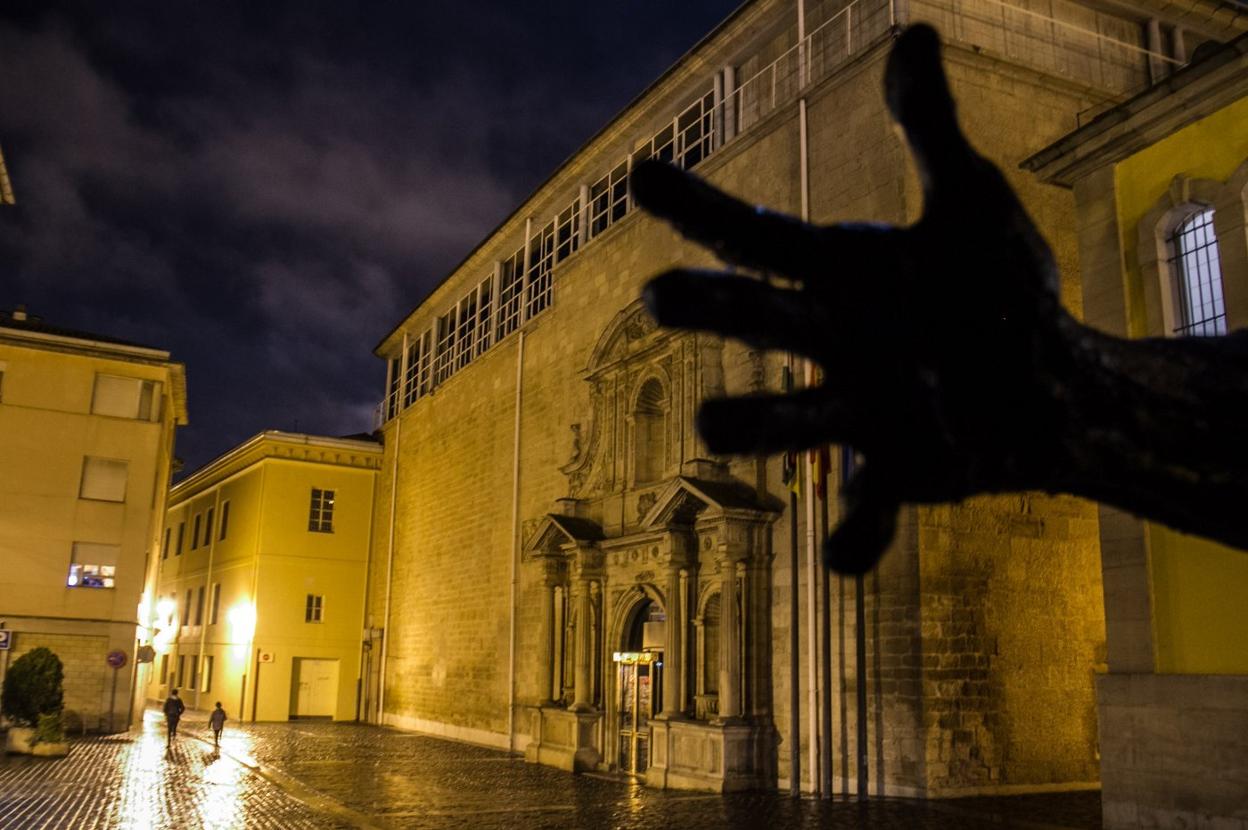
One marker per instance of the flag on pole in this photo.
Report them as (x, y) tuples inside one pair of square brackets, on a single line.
[(820, 466), (791, 475)]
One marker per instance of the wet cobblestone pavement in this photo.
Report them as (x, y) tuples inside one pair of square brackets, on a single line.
[(320, 774)]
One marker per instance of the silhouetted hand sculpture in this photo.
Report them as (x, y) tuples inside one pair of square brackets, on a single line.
[(951, 365)]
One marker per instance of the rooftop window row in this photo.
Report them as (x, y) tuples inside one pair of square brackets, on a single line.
[(519, 287)]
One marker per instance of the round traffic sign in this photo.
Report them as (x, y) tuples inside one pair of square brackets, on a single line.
[(116, 658)]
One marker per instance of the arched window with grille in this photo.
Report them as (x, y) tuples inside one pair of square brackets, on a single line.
[(1197, 269)]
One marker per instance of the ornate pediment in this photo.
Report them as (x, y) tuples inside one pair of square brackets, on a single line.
[(686, 498), (622, 336), (555, 535)]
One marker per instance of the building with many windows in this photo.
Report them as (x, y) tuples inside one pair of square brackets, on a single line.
[(1161, 182), (258, 596), (560, 566), (86, 445)]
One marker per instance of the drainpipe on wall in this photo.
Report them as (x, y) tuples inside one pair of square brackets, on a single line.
[(515, 550), (385, 616), (203, 626)]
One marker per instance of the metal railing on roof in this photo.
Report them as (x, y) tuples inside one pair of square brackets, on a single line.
[(713, 120)]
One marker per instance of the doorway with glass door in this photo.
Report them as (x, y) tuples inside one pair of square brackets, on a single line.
[(639, 686)]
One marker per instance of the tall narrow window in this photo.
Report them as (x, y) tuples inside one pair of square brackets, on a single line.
[(165, 551), (225, 520), (208, 526), (1201, 309), (186, 609), (392, 392), (181, 669), (313, 609), (199, 606), (3, 366), (321, 515), (103, 479), (650, 433), (215, 606), (164, 669), (510, 293), (195, 532), (205, 684), (177, 551), (194, 661)]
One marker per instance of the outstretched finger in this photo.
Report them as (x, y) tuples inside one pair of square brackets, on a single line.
[(867, 530), (748, 309), (736, 231), (918, 97), (766, 424)]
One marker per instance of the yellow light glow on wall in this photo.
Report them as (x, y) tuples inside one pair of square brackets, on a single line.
[(242, 620)]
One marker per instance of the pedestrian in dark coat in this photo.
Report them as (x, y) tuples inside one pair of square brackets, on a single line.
[(217, 721), (174, 707)]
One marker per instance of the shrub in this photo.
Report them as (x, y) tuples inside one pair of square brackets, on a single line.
[(50, 730), (32, 687)]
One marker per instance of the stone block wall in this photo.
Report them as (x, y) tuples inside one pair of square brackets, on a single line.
[(86, 674), (1013, 636)]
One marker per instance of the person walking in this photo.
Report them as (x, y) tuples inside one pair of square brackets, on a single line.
[(174, 707), (217, 721)]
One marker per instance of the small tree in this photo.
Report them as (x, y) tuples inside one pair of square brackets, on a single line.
[(33, 687)]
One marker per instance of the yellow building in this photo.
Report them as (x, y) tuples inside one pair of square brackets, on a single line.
[(259, 594), (1161, 183), (86, 441)]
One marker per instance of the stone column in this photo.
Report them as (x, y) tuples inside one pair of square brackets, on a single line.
[(545, 657), (673, 665), (582, 700), (558, 621), (729, 642)]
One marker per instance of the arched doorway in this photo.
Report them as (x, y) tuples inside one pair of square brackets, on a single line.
[(639, 684)]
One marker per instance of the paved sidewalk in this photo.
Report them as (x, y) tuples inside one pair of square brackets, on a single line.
[(132, 781), (393, 779), (316, 774)]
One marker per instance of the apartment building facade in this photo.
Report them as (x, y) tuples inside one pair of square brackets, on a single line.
[(86, 445)]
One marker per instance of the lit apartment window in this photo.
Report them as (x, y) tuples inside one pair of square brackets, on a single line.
[(215, 607), (225, 519), (312, 611), (93, 566), (206, 675), (177, 551), (321, 515), (195, 533), (1198, 274), (164, 554), (103, 479), (122, 397)]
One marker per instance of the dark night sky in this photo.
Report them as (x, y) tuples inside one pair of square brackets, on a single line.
[(266, 189)]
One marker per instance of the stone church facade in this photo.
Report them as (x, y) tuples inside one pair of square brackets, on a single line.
[(559, 565)]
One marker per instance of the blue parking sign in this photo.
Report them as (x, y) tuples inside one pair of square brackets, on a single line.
[(6, 639)]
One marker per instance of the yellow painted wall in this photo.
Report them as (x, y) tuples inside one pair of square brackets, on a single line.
[(1200, 615)]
